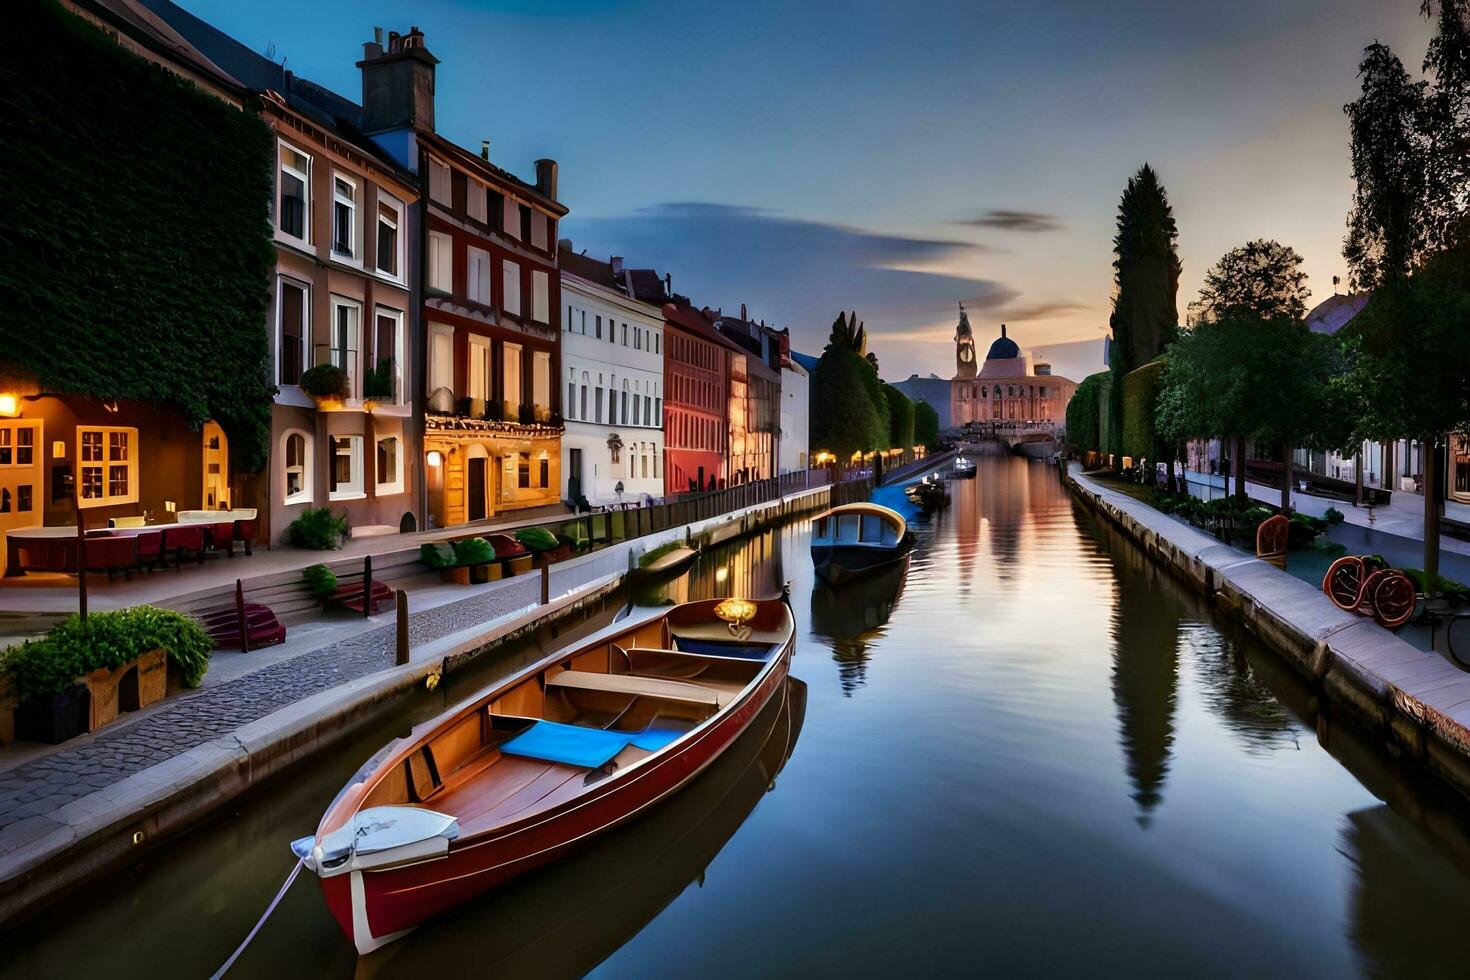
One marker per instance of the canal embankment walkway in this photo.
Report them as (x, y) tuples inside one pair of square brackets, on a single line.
[(69, 813), (1417, 700)]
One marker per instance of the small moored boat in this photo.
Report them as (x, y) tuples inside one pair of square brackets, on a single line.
[(859, 539), (571, 746), (964, 469)]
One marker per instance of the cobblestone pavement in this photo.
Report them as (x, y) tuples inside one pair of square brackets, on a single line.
[(41, 787)]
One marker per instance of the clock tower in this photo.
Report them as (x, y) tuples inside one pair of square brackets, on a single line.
[(964, 347)]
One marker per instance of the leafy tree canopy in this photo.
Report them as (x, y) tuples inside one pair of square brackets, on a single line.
[(844, 418), (1260, 280), (900, 418), (926, 424)]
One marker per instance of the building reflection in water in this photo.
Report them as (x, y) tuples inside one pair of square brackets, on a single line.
[(1145, 634), (1234, 690), (562, 920), (852, 619), (750, 568)]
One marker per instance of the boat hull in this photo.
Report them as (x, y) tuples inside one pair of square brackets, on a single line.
[(374, 907), (839, 564)]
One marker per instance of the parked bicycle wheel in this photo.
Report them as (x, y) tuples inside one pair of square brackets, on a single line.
[(1458, 638), (1394, 598), (1344, 582)]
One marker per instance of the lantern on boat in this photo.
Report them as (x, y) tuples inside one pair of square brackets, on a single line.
[(736, 612)]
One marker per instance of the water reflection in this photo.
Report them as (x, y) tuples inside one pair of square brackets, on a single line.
[(1236, 692), (565, 919), (1145, 676), (852, 618)]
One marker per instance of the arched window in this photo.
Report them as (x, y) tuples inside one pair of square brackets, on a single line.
[(296, 453)]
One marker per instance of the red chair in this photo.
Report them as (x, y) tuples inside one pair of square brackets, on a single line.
[(222, 537), (150, 549), (245, 531), (107, 554), (181, 538)]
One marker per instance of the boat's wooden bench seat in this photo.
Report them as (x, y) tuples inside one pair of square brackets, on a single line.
[(658, 687)]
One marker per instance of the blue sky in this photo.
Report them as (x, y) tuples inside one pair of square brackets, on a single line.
[(893, 157)]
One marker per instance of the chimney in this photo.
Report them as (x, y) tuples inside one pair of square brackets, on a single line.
[(617, 266), (742, 312), (485, 150), (669, 284), (546, 178), (564, 244), (397, 83)]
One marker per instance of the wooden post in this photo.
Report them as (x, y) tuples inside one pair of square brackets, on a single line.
[(1429, 453), (545, 584), (367, 586), (240, 616), (1285, 477), (400, 612), (76, 506), (1358, 476)]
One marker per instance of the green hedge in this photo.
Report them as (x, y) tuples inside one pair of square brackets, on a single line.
[(1084, 414), (52, 663), (1140, 393), (900, 418), (136, 231)]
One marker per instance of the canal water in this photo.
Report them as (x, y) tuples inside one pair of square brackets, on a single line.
[(1032, 753)]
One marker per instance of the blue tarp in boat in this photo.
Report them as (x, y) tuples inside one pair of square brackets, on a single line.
[(574, 745)]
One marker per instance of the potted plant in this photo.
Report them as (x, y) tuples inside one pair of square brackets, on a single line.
[(328, 385), (321, 580), (317, 528), (440, 555), (377, 384), (476, 554)]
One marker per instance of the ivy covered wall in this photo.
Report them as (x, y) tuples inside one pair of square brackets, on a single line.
[(135, 229)]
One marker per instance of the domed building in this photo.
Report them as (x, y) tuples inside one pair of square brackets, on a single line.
[(1010, 386)]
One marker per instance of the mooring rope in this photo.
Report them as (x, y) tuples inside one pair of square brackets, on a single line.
[(268, 910)]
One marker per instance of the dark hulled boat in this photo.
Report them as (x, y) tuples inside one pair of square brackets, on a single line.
[(855, 540)]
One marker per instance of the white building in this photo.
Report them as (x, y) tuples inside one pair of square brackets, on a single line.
[(794, 450), (613, 372)]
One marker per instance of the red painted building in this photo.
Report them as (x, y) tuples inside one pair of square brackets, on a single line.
[(696, 400)]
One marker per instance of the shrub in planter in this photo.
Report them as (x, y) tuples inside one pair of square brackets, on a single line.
[(473, 551), (320, 579), (438, 555), (326, 381), (1333, 516), (317, 528), (536, 539)]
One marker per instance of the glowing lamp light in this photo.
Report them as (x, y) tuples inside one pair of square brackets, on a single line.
[(9, 404), (736, 612), (436, 458), (722, 573)]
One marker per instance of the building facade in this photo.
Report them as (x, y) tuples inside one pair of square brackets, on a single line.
[(696, 401), (613, 379), (755, 398), (794, 450), (490, 404), (1009, 387), (933, 391)]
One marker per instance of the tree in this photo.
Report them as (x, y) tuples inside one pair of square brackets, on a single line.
[(1415, 363), (843, 419), (1445, 124), (1387, 227), (1083, 416), (926, 424), (1259, 280), (1145, 314), (900, 418)]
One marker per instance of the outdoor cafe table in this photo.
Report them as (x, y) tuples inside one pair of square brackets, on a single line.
[(54, 548)]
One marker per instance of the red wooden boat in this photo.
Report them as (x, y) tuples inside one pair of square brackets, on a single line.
[(574, 745)]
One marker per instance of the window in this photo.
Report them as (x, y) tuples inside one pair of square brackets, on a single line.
[(541, 384), (510, 218), (387, 342), (345, 327), (107, 465), (599, 328), (512, 275), (657, 344), (637, 337), (494, 208), (439, 183), (389, 261), (523, 471), (294, 188), (571, 398), (624, 412), (511, 381), (474, 204), (441, 367), (538, 230), (540, 296), (346, 467), (441, 263), (18, 445), (389, 470), (479, 367), (477, 285), (291, 311), (597, 395), (525, 210), (344, 216), (582, 413), (544, 471), (1460, 469), (297, 454), (625, 335)]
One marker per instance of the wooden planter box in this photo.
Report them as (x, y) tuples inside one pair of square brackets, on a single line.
[(53, 719), (9, 699), (479, 574), (458, 575), (518, 566), (136, 684)]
